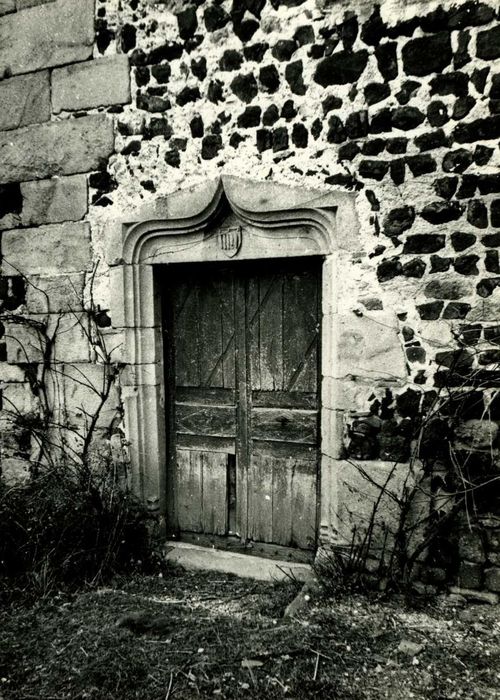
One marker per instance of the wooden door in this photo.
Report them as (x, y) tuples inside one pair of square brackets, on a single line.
[(242, 356)]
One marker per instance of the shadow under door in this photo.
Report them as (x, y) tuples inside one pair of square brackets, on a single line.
[(242, 344)]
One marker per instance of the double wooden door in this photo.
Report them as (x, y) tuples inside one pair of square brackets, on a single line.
[(242, 355)]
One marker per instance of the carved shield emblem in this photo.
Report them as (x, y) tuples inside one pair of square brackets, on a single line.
[(230, 240)]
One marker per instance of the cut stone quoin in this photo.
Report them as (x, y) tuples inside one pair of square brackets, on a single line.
[(25, 99), (105, 81), (47, 35), (56, 148)]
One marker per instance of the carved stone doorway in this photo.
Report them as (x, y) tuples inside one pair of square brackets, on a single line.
[(261, 220)]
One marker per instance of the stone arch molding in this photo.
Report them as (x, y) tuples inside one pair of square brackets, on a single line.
[(271, 220)]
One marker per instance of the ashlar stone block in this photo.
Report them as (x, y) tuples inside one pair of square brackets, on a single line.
[(55, 200), (7, 6), (369, 347), (51, 34), (25, 100), (47, 250), (53, 294), (83, 389), (56, 148), (105, 81)]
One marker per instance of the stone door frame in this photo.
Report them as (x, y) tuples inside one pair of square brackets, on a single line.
[(272, 220)]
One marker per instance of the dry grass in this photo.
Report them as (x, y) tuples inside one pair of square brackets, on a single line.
[(207, 635)]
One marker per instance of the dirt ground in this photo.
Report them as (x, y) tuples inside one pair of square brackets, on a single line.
[(205, 635)]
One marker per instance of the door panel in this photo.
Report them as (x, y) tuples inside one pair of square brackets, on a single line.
[(242, 372)]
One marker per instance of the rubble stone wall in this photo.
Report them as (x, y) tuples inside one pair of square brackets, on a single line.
[(108, 106)]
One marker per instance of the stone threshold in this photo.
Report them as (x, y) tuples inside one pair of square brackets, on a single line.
[(192, 556)]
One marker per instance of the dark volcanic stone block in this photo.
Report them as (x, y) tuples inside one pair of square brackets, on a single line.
[(430, 311), (199, 67), (293, 75), (349, 31), (441, 212), (397, 145), (414, 268), (245, 29), (408, 90), (424, 243), (230, 60), (462, 56), (421, 165), (284, 49), (430, 140), (304, 35), (280, 139), (336, 130), (488, 184), (161, 73), (469, 14), (331, 102), (437, 113), (210, 146), (488, 44), (255, 52), (450, 84), (270, 116), (466, 264), (341, 68), (245, 87), (406, 118), (196, 126), (264, 140), (398, 171), (235, 139), (288, 111), (142, 76), (374, 29), (456, 309), (128, 37), (269, 78), (429, 54), (250, 117), (373, 147), (215, 91), (188, 94), (446, 186), (491, 261), (398, 221), (467, 187), (491, 240), (168, 51), (478, 130), (439, 264), (495, 213), (215, 17), (388, 269), (348, 151), (376, 92), (187, 22), (381, 121), (387, 60), (457, 161), (374, 169), (152, 103), (357, 124), (477, 213), (478, 78), (462, 107), (173, 157), (486, 287), (300, 135), (461, 240)]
